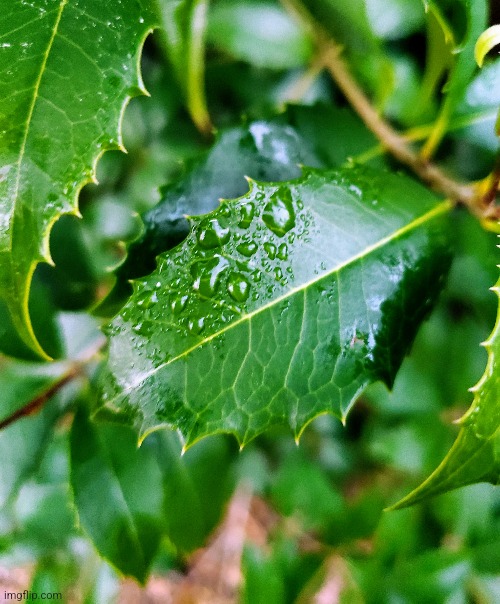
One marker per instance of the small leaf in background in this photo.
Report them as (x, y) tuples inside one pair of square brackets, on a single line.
[(486, 41), (258, 32), (66, 75), (118, 494), (475, 456), (277, 296), (183, 39)]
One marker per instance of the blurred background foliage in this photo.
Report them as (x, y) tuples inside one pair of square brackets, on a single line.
[(320, 506)]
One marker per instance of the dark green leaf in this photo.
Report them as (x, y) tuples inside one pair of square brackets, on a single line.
[(275, 309), (22, 443), (67, 70), (118, 494), (475, 14)]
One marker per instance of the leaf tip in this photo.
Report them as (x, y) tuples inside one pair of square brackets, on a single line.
[(486, 41)]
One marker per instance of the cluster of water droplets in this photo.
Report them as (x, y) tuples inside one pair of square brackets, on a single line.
[(233, 260)]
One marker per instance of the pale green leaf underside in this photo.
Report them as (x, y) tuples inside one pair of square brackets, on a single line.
[(475, 455), (279, 306), (67, 70)]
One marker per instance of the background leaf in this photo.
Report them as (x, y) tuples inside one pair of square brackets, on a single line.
[(118, 494), (274, 287), (67, 70), (183, 38)]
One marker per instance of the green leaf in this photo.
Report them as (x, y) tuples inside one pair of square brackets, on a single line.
[(275, 309), (183, 38), (261, 150), (194, 494), (118, 494), (68, 69), (258, 32), (475, 455), (486, 41), (476, 15)]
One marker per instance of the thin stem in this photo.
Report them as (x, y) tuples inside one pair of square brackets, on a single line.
[(394, 142), (75, 370), (36, 403)]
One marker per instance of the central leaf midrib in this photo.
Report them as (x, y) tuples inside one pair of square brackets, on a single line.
[(437, 210)]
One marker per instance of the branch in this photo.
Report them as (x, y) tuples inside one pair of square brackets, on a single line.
[(76, 369), (35, 404), (470, 194)]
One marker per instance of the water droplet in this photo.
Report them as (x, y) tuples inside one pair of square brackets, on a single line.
[(279, 215), (257, 275), (147, 300), (195, 326), (278, 273), (247, 213), (238, 287), (212, 234), (283, 252), (178, 304), (247, 248), (207, 275), (270, 250)]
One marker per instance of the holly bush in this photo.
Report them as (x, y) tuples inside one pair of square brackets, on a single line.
[(303, 230)]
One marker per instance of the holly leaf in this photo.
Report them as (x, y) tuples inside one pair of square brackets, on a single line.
[(68, 69), (275, 309), (475, 455)]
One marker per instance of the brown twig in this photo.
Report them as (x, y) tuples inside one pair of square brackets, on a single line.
[(75, 369), (37, 403), (469, 194)]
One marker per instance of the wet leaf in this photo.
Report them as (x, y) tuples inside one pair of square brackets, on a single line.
[(276, 308), (475, 455), (67, 70)]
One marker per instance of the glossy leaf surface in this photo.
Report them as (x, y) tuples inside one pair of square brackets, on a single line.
[(475, 455), (118, 494), (276, 308), (261, 33), (67, 71)]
